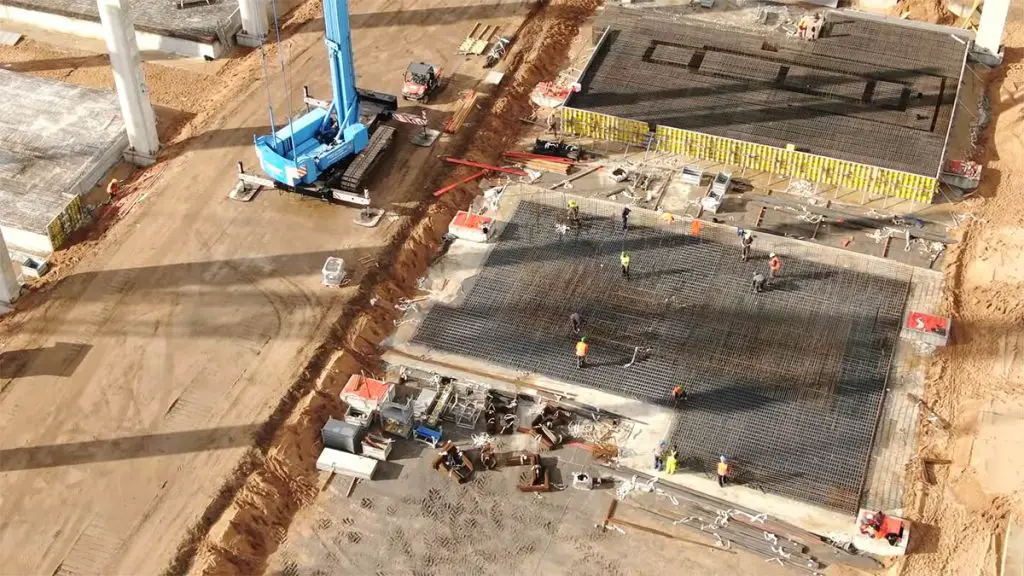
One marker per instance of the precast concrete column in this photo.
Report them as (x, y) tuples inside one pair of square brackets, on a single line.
[(139, 119), (990, 28), (9, 286), (254, 22)]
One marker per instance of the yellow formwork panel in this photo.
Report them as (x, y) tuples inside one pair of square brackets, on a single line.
[(790, 163), (603, 127), (60, 228)]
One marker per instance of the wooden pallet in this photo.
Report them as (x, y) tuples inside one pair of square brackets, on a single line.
[(477, 40)]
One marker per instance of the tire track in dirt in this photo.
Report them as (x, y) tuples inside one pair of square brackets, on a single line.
[(249, 519)]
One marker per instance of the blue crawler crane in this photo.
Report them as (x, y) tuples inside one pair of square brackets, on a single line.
[(328, 151)]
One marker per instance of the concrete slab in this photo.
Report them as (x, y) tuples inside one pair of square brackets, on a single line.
[(861, 76), (203, 29), (56, 141)]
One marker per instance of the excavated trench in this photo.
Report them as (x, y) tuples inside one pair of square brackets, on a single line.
[(251, 514)]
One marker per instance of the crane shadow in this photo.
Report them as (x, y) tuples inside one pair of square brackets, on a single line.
[(127, 448), (61, 359)]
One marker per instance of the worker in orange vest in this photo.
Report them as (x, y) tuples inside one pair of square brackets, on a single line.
[(582, 348), (113, 188), (723, 471), (774, 266), (678, 393)]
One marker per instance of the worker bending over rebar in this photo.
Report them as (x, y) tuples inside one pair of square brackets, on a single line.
[(746, 240), (576, 321)]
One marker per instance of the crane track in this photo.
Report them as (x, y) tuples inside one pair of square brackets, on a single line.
[(360, 167)]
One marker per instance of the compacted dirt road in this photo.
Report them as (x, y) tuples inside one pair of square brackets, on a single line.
[(131, 389)]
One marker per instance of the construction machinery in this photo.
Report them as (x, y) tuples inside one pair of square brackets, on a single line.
[(877, 526), (454, 461), (330, 150), (422, 80)]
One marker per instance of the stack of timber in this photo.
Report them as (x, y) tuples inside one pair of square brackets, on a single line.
[(462, 110), (540, 162)]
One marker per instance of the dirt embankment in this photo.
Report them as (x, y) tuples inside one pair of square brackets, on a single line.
[(957, 520), (245, 525)]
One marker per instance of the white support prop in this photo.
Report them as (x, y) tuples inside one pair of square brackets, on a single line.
[(254, 22), (990, 28), (10, 288), (136, 109)]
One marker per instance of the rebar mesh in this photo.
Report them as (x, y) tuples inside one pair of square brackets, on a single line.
[(787, 383), (844, 95)]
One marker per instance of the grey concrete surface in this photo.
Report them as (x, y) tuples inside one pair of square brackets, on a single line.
[(56, 140), (413, 520), (201, 22)]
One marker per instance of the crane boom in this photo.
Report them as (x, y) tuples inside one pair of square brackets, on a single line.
[(338, 37)]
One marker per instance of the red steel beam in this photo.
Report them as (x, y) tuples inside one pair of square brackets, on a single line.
[(513, 171), (454, 185), (533, 156)]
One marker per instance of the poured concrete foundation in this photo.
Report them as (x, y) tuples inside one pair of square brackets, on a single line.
[(198, 29), (56, 141)]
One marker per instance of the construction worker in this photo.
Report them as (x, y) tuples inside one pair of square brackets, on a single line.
[(759, 282), (625, 218), (678, 393), (576, 321), (659, 457), (582, 348), (745, 241), (114, 188), (723, 471), (672, 461), (574, 212), (774, 266), (624, 258)]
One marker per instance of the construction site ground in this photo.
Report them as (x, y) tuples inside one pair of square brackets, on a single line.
[(414, 520), (132, 388)]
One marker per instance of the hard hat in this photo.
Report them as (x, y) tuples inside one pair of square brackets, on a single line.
[(721, 458), (584, 339), (772, 255)]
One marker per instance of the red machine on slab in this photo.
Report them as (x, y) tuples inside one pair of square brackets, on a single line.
[(881, 526)]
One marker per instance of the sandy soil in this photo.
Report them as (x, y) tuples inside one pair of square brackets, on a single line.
[(131, 389), (976, 382), (261, 513)]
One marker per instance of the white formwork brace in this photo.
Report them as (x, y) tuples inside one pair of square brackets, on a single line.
[(9, 285), (254, 22), (136, 109)]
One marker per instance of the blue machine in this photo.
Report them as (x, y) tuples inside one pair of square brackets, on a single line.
[(328, 151)]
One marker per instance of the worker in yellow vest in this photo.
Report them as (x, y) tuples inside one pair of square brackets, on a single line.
[(582, 349), (723, 471), (672, 461), (574, 213), (624, 258)]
